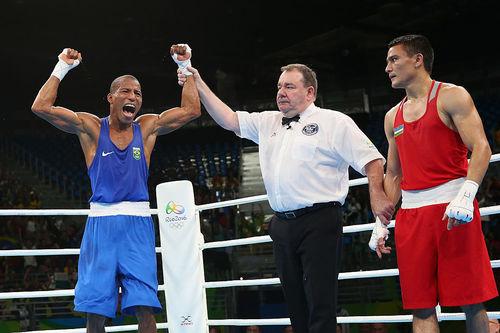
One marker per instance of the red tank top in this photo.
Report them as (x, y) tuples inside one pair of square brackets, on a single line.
[(430, 153)]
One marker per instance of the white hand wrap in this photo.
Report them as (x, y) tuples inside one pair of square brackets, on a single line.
[(462, 207), (379, 231), (62, 67), (183, 64)]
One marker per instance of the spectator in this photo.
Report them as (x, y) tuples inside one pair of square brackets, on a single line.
[(252, 329), (494, 326), (341, 312), (378, 328), (373, 328)]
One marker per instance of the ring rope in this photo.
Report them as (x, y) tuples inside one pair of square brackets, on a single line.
[(121, 328), (285, 321), (491, 210), (221, 284), (154, 211)]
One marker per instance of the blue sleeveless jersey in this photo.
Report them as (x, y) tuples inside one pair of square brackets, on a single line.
[(119, 175)]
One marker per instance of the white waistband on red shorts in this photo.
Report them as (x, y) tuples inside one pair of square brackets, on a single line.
[(440, 194), (140, 208)]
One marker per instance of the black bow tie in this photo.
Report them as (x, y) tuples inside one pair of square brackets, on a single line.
[(287, 121)]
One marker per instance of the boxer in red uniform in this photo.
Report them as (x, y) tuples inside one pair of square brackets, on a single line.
[(442, 257)]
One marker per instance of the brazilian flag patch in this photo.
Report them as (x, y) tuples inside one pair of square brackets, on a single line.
[(136, 152)]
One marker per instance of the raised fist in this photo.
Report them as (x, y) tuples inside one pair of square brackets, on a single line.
[(70, 55), (68, 59), (183, 51)]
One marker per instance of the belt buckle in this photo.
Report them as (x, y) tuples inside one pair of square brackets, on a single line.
[(290, 215)]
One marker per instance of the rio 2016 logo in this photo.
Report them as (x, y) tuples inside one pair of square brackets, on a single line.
[(175, 221), (172, 207)]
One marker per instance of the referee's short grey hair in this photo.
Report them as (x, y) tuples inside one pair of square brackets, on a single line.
[(308, 74)]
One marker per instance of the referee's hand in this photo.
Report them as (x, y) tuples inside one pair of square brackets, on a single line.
[(382, 207)]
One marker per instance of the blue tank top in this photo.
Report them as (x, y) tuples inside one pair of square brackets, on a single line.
[(119, 175)]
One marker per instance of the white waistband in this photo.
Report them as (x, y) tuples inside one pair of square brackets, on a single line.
[(140, 208), (443, 193)]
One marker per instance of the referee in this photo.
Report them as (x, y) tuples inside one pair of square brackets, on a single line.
[(305, 152)]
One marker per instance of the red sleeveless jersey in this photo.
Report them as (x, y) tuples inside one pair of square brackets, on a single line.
[(430, 153)]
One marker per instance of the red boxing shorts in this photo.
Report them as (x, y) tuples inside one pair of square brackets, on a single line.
[(436, 265)]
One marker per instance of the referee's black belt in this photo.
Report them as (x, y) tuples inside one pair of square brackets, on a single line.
[(293, 214)]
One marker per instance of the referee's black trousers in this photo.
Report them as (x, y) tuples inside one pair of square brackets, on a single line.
[(307, 253)]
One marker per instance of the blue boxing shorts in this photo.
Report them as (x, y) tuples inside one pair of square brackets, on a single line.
[(117, 251)]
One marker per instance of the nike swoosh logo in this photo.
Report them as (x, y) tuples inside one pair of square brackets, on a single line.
[(106, 154)]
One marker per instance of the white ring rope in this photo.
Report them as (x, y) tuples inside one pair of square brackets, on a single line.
[(495, 158), (347, 229), (342, 276), (285, 321), (154, 211), (46, 293), (343, 320), (222, 284), (218, 244), (122, 328), (45, 252)]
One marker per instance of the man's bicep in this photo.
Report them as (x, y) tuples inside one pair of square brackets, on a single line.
[(393, 164), (465, 117), (164, 123), (389, 123), (64, 119), (470, 128), (235, 123)]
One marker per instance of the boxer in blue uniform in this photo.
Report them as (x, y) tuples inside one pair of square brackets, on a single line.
[(118, 245)]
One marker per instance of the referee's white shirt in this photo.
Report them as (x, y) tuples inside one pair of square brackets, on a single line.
[(309, 162)]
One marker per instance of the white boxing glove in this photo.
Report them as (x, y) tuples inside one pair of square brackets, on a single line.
[(379, 231), (183, 64), (62, 67), (462, 207)]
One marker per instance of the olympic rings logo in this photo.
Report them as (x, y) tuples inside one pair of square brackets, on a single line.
[(176, 225)]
